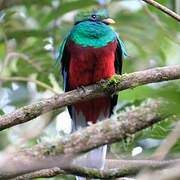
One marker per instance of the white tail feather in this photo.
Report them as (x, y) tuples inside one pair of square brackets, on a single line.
[(93, 159)]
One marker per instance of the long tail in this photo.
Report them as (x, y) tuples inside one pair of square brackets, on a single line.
[(93, 159), (95, 110)]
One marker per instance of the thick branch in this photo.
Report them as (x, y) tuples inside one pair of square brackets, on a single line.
[(163, 9), (120, 168), (56, 153), (123, 82)]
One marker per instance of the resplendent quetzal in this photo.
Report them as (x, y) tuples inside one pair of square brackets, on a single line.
[(92, 51)]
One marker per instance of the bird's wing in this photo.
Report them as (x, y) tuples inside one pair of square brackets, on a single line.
[(63, 59), (120, 54)]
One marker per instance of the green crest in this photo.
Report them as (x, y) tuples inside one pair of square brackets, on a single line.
[(85, 15)]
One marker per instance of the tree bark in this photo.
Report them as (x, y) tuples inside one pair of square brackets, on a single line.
[(61, 152), (114, 85), (113, 169)]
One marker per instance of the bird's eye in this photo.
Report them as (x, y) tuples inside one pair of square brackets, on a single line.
[(93, 16)]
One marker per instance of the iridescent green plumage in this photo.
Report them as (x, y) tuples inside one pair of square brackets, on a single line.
[(85, 15), (93, 34)]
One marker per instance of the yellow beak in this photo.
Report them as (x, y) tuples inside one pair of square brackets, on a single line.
[(109, 21)]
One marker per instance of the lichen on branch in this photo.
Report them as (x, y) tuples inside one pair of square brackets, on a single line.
[(126, 81), (57, 152)]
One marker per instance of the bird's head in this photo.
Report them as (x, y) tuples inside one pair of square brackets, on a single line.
[(92, 29), (101, 15)]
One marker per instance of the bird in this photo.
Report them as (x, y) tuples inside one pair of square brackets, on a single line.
[(92, 51)]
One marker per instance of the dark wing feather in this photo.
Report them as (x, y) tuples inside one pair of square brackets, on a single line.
[(118, 59), (118, 70), (119, 55), (65, 67), (64, 58)]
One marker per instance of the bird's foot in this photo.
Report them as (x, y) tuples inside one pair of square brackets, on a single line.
[(81, 88), (101, 82)]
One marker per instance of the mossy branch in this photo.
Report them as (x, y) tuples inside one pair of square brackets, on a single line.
[(119, 168), (119, 83), (61, 152)]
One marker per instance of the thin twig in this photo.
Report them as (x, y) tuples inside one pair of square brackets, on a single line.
[(161, 24), (164, 9), (123, 82), (11, 55), (26, 79), (169, 173), (168, 143)]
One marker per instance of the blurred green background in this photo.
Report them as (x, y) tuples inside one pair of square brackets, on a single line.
[(30, 34)]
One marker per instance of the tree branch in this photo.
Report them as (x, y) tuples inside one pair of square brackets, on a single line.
[(169, 173), (61, 152), (28, 79), (120, 168), (168, 143), (163, 9), (119, 83)]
